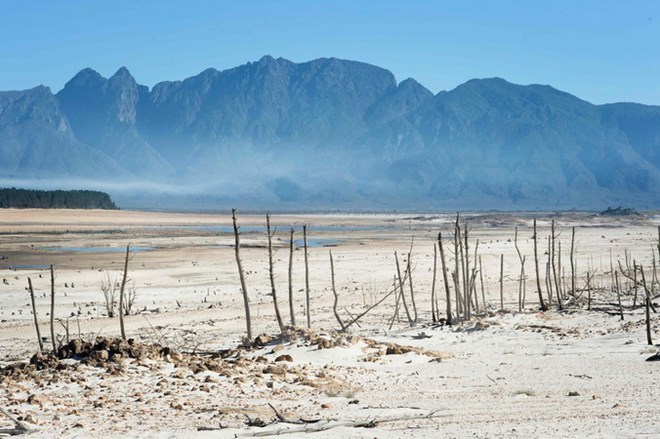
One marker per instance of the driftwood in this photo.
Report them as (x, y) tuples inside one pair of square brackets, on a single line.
[(316, 425), (19, 427)]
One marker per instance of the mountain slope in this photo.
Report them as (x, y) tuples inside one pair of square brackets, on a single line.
[(334, 133), (102, 112), (36, 140)]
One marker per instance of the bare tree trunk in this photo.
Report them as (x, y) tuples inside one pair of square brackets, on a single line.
[(293, 315), (465, 265), (536, 265), (618, 292), (309, 319), (588, 292), (502, 282), (522, 268), (522, 287), (34, 313), (548, 276), (434, 305), (412, 291), (444, 277), (334, 291), (573, 262), (560, 274), (635, 283), (457, 272), (246, 301), (271, 274), (401, 292), (397, 298), (554, 266), (481, 278), (52, 308), (122, 288), (649, 340)]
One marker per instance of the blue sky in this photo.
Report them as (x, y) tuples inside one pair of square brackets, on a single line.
[(600, 50)]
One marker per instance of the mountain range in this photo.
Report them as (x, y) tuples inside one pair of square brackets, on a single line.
[(329, 134)]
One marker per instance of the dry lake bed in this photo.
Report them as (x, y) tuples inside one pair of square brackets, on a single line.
[(515, 371)]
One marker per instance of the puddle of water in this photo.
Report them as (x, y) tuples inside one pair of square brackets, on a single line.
[(136, 249), (262, 229), (26, 267), (314, 242)]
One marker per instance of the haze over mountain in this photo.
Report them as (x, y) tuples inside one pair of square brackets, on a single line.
[(329, 133)]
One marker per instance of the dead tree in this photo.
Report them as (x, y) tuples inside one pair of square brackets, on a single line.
[(34, 312), (444, 277), (589, 291), (241, 275), (457, 262), (536, 265), (271, 273), (521, 280), (618, 292), (412, 291), (293, 315), (635, 282), (481, 278), (334, 291), (573, 262), (649, 340), (554, 266), (548, 272), (465, 265), (501, 282), (52, 308), (122, 288), (309, 321), (397, 299), (434, 304), (401, 292)]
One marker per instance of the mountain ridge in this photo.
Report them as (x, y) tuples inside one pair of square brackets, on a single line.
[(335, 133)]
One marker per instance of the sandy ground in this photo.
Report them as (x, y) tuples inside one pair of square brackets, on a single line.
[(559, 373)]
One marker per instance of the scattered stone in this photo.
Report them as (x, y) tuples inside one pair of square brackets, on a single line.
[(262, 340), (274, 370), (326, 405), (284, 357), (573, 393)]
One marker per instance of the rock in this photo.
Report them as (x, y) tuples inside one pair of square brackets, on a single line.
[(262, 340), (326, 405), (35, 399), (275, 370), (284, 357), (100, 355), (43, 360), (573, 393), (211, 379), (394, 350)]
